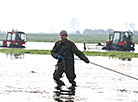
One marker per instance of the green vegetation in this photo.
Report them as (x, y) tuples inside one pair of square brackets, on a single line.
[(74, 37), (79, 38), (117, 54), (42, 37), (23, 51)]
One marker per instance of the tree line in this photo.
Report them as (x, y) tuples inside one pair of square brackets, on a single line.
[(99, 31)]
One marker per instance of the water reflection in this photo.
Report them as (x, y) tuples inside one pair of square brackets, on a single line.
[(126, 59), (64, 94), (15, 56), (123, 59)]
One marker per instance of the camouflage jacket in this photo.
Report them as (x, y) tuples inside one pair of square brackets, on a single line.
[(67, 49)]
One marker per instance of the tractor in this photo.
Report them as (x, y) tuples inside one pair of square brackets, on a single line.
[(120, 41), (14, 39)]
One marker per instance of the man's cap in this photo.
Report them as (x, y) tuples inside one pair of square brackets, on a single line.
[(64, 32)]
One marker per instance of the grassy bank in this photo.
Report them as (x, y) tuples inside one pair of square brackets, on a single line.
[(88, 53), (24, 51), (113, 54)]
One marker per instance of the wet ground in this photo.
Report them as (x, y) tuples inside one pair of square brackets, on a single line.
[(28, 78), (49, 46)]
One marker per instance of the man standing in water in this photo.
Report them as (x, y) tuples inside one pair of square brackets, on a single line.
[(64, 50)]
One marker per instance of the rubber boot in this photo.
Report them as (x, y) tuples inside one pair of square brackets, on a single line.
[(60, 83), (73, 83)]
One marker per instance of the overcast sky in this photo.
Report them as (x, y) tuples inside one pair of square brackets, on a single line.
[(55, 15)]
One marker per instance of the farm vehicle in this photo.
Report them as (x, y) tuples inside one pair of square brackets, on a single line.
[(14, 39), (120, 41)]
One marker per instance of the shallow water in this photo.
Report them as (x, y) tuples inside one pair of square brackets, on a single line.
[(49, 46), (28, 78)]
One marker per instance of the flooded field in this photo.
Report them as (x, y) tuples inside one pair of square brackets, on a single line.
[(49, 46), (28, 78)]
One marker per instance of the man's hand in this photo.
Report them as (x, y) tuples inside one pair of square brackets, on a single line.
[(60, 57)]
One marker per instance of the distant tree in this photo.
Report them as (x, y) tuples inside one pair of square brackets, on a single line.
[(110, 30), (87, 31), (97, 31), (77, 32)]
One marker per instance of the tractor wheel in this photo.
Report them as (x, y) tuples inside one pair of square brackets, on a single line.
[(121, 48)]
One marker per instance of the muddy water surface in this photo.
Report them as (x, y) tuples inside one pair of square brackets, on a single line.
[(49, 46), (28, 78)]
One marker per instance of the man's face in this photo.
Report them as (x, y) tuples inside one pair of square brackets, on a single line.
[(63, 37)]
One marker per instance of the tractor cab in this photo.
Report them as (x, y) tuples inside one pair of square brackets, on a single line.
[(121, 41), (15, 39)]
